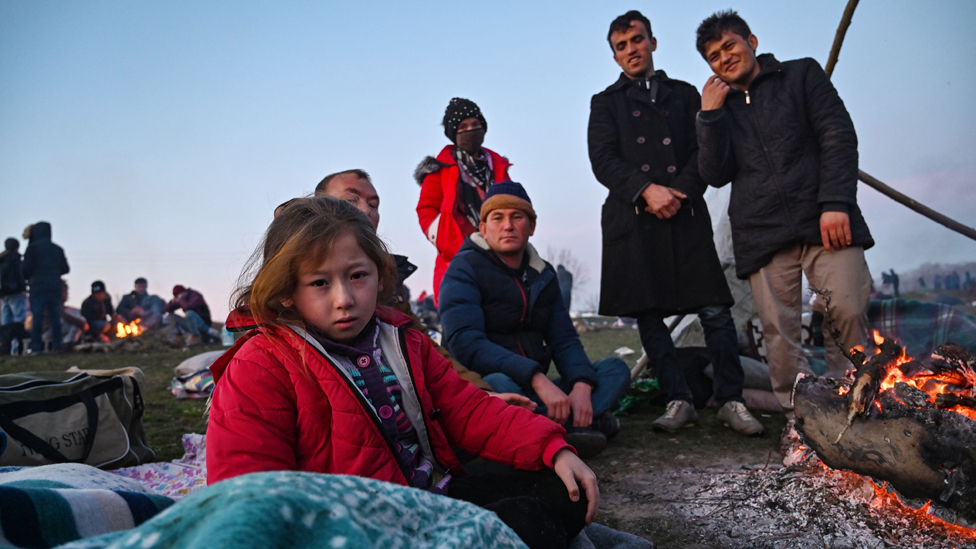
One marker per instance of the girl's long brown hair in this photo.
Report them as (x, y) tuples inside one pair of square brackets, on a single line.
[(299, 239)]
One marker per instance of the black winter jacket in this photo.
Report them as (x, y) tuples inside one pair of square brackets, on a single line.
[(11, 275), (94, 309), (496, 321), (44, 261), (790, 153), (666, 265)]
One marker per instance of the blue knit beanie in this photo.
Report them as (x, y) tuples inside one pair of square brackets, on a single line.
[(507, 195)]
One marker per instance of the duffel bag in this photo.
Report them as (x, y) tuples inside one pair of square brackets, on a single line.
[(73, 417)]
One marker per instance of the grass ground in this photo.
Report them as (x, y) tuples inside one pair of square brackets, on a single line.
[(166, 418)]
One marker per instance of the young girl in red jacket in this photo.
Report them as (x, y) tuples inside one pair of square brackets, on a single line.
[(330, 382)]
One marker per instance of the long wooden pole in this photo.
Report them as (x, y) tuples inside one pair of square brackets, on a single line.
[(845, 22), (913, 204), (873, 182)]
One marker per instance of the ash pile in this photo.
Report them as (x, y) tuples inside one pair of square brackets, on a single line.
[(803, 505)]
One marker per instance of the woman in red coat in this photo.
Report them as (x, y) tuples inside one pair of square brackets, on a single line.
[(453, 185), (331, 383)]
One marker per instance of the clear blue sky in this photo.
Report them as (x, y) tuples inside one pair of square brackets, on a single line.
[(157, 137)]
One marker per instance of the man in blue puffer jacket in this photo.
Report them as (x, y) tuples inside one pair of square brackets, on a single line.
[(504, 317)]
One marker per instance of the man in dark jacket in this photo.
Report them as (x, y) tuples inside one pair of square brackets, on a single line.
[(98, 311), (142, 306), (13, 296), (195, 324), (504, 318), (44, 265), (781, 134), (659, 258)]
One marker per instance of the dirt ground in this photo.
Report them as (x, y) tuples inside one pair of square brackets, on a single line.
[(642, 473)]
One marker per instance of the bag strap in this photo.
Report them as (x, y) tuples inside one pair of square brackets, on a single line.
[(42, 447)]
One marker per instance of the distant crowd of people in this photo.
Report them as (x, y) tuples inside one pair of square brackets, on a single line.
[(34, 299), (950, 281)]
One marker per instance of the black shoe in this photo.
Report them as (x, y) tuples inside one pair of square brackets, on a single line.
[(588, 442), (606, 423)]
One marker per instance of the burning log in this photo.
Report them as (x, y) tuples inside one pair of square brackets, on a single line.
[(906, 422), (867, 382)]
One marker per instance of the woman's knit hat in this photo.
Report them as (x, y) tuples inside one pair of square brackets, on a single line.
[(457, 111), (506, 195)]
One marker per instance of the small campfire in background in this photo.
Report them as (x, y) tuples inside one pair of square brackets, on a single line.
[(131, 329)]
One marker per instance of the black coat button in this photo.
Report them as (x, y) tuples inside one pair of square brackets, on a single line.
[(645, 168), (640, 140), (636, 113), (667, 141)]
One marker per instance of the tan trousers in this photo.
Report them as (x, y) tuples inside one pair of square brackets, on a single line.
[(777, 288)]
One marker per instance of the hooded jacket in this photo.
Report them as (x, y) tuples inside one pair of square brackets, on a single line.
[(438, 208), (11, 275), (281, 403), (44, 262), (498, 321), (190, 300), (790, 153)]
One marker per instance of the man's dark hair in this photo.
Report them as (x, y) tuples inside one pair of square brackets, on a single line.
[(623, 23), (718, 23), (324, 184)]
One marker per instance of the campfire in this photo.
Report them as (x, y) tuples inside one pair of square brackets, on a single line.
[(131, 329), (908, 424)]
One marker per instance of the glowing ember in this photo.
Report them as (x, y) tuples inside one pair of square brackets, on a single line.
[(127, 330), (931, 381)]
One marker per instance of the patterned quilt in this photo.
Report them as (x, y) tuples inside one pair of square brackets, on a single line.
[(295, 510)]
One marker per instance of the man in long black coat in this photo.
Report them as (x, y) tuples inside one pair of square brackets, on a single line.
[(659, 258)]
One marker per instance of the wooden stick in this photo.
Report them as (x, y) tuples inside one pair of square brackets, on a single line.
[(845, 22), (915, 206), (910, 203)]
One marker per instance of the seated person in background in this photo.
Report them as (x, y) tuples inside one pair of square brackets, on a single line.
[(195, 326), (98, 311), (141, 305), (504, 317)]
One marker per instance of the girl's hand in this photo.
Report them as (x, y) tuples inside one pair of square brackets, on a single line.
[(516, 399), (570, 468)]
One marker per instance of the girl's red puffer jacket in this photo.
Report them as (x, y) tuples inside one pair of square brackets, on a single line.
[(280, 404)]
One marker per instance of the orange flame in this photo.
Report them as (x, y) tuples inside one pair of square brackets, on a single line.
[(126, 330), (930, 383)]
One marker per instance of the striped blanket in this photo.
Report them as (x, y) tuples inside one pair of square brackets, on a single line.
[(921, 327), (54, 504)]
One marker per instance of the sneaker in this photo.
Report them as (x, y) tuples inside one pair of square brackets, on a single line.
[(606, 423), (588, 442), (735, 415), (679, 414)]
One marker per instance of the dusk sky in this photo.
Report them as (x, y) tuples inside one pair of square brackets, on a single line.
[(157, 137)]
